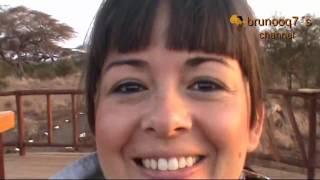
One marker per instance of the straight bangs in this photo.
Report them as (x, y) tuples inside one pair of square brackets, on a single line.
[(125, 25), (204, 25), (195, 25)]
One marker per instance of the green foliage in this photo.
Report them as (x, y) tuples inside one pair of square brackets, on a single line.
[(5, 69), (50, 70), (65, 67), (43, 71), (29, 69), (3, 84), (297, 60)]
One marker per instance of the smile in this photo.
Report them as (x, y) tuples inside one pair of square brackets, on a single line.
[(168, 164)]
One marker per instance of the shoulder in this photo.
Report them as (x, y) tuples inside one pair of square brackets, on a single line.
[(85, 168)]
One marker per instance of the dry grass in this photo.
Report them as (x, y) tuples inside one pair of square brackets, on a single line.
[(69, 82), (37, 104)]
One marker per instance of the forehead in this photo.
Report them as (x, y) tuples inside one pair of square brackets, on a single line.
[(163, 59)]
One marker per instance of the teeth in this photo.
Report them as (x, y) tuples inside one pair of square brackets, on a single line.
[(153, 164), (162, 164), (171, 164), (189, 161), (182, 162), (196, 159), (146, 163)]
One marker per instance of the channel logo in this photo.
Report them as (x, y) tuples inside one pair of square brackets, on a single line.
[(236, 20)]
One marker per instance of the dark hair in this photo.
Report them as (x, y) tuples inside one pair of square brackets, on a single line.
[(126, 26)]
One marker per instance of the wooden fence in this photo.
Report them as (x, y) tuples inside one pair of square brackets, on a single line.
[(20, 117)]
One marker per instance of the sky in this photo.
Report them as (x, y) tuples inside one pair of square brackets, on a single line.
[(79, 14)]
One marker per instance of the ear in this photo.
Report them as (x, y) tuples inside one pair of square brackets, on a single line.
[(256, 130)]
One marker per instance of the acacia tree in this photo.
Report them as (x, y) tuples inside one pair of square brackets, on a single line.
[(29, 36), (297, 59)]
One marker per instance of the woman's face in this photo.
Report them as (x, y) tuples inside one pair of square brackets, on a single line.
[(158, 109), (164, 113)]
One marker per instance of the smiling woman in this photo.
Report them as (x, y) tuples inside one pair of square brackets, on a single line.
[(173, 91)]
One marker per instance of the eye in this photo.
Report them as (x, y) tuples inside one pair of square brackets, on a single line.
[(129, 88), (205, 86)]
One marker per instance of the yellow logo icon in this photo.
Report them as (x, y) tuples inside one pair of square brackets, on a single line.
[(237, 20)]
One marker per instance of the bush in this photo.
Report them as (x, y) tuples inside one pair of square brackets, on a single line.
[(79, 62), (43, 74), (3, 84), (6, 69), (65, 67), (29, 70), (44, 71)]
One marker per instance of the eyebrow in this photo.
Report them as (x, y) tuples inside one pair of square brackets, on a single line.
[(141, 64), (137, 63), (196, 61)]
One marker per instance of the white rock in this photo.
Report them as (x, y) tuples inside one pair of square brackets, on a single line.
[(82, 135)]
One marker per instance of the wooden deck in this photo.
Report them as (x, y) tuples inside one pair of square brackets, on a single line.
[(44, 165), (37, 165)]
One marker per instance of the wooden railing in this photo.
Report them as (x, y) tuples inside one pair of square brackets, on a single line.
[(20, 117), (309, 96), (308, 156)]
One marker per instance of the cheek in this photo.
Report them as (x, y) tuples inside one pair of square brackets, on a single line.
[(225, 126), (225, 123), (114, 125)]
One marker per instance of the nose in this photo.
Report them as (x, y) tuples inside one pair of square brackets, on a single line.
[(169, 116)]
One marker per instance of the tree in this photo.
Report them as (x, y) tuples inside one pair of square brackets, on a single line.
[(297, 59), (29, 36)]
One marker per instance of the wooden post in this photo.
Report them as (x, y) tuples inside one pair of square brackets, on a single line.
[(75, 122), (312, 137), (20, 124), (288, 114), (49, 114)]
